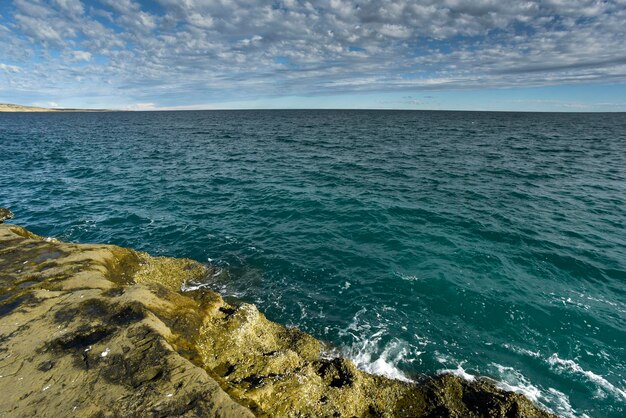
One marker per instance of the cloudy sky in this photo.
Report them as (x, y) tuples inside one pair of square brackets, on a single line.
[(565, 55)]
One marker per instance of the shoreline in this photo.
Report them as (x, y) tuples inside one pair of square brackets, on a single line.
[(115, 320)]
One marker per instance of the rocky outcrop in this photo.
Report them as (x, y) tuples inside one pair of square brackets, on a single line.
[(99, 330), (5, 214)]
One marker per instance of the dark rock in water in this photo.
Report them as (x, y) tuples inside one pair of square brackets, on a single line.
[(5, 214), (105, 331)]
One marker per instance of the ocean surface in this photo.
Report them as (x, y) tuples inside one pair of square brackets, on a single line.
[(414, 242)]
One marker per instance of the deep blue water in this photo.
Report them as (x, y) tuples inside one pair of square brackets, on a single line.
[(415, 242)]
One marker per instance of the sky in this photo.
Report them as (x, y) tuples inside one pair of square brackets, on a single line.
[(536, 55)]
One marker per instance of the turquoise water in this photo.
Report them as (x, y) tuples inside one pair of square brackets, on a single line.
[(415, 242)]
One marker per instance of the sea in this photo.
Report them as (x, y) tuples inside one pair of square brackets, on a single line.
[(413, 242)]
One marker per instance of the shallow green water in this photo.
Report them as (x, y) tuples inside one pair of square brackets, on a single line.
[(485, 243)]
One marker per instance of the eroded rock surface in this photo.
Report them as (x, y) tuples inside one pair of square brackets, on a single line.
[(78, 338), (98, 330)]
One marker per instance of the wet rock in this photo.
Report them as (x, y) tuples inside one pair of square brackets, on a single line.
[(97, 330), (5, 214)]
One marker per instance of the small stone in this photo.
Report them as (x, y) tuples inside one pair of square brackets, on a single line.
[(45, 366)]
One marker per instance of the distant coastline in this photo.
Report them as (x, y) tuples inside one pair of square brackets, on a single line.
[(13, 108)]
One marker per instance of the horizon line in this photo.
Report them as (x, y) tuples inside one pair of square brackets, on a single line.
[(101, 110)]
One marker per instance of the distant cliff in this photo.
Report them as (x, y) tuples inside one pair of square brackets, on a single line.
[(8, 107)]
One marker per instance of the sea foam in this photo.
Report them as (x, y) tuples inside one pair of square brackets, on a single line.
[(570, 366)]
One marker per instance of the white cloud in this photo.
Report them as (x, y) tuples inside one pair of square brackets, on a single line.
[(9, 68), (141, 106), (199, 49), (77, 56), (395, 31), (47, 104), (73, 7)]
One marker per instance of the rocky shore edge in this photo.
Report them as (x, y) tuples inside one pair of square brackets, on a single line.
[(104, 331)]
